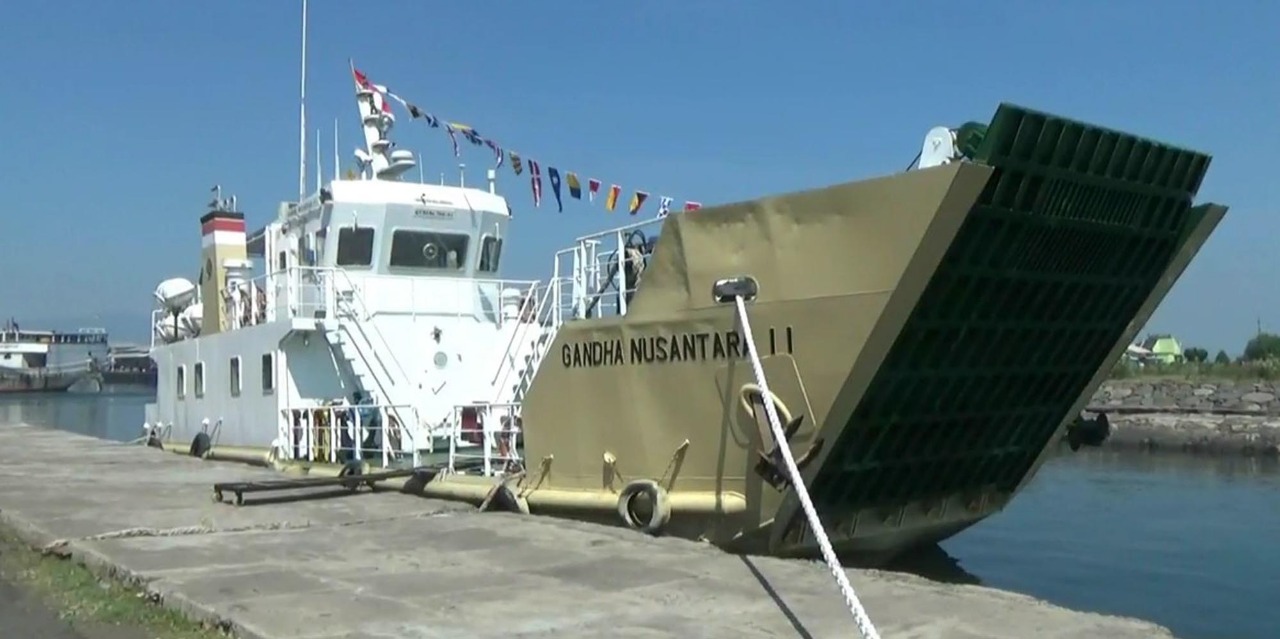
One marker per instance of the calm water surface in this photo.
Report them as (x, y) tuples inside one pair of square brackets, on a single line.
[(1190, 543)]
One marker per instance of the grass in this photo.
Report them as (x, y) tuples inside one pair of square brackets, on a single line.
[(1235, 371), (91, 604)]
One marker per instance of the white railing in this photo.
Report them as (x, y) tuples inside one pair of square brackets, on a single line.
[(538, 313), (485, 437), (596, 269), (311, 291), (323, 432)]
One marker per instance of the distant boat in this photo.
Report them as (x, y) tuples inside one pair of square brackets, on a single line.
[(48, 361)]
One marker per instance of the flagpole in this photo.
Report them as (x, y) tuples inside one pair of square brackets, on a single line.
[(302, 112)]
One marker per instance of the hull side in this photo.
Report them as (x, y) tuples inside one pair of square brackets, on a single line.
[(239, 417), (618, 396), (932, 331), (39, 382)]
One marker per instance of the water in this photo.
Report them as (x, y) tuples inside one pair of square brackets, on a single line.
[(1185, 542)]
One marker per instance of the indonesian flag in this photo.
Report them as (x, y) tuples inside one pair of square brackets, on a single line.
[(692, 206)]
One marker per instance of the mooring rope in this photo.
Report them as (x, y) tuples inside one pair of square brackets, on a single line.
[(859, 613)]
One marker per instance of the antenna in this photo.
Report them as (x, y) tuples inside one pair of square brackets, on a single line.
[(462, 175), (336, 162), (319, 164), (302, 112), (421, 179)]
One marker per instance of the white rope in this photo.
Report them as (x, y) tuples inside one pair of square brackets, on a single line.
[(828, 553)]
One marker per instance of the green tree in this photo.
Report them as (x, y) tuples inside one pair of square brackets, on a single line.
[(1195, 355), (1222, 358), (1262, 347)]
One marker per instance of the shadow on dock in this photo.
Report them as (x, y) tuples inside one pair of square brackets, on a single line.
[(934, 563)]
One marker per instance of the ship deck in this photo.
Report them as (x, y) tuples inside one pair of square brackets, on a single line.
[(391, 565)]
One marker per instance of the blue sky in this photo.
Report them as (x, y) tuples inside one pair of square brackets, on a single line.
[(117, 117)]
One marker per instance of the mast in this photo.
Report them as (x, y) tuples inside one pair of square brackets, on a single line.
[(302, 112), (319, 164), (336, 161)]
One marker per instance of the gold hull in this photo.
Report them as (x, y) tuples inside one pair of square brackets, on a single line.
[(934, 330)]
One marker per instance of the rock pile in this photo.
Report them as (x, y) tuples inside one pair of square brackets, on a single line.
[(1182, 395), (1250, 435)]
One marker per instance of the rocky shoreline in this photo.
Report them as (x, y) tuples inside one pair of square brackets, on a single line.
[(1181, 395), (1196, 416)]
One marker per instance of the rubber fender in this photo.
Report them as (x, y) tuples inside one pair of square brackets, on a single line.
[(200, 445), (352, 468), (502, 498), (661, 513)]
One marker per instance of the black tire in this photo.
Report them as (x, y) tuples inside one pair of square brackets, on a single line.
[(200, 445), (351, 469)]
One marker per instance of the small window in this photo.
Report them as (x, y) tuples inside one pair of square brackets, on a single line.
[(428, 250), (199, 379), (268, 374), (282, 260), (490, 253), (355, 246), (235, 376), (182, 381)]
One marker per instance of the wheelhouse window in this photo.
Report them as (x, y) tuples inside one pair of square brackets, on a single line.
[(490, 254), (428, 250), (199, 379), (268, 374), (181, 378), (355, 246)]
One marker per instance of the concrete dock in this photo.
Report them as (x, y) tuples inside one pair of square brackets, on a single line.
[(390, 565)]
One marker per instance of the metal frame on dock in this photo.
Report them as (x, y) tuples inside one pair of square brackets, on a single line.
[(350, 477)]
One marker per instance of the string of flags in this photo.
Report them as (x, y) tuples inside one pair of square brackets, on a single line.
[(570, 181)]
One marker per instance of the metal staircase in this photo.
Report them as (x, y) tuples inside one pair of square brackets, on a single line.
[(360, 346), (527, 348)]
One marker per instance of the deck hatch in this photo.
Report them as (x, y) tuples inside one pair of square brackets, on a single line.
[(1069, 237)]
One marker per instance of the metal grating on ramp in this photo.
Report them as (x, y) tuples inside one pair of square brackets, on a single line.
[(1065, 244)]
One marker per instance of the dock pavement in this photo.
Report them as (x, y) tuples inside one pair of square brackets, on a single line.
[(390, 565)]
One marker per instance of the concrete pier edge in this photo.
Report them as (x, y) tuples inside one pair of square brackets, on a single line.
[(103, 567), (899, 604)]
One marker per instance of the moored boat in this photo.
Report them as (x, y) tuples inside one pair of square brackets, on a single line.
[(912, 343), (34, 361)]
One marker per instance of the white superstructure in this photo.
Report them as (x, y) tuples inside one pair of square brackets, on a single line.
[(374, 286)]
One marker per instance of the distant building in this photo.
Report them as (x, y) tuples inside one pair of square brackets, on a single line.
[(1163, 349), (1137, 354)]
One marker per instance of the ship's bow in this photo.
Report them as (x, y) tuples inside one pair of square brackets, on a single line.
[(1078, 234)]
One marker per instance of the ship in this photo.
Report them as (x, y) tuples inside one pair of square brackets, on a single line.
[(37, 361), (871, 366)]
